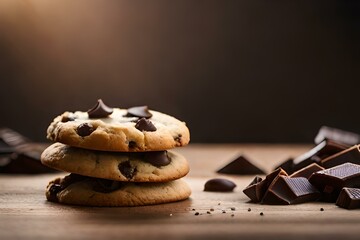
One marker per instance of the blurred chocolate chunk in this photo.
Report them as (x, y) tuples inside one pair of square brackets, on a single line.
[(11, 138), (140, 112), (331, 181), (307, 171), (287, 165), (19, 155), (321, 151), (337, 135), (219, 185), (349, 198), (100, 110), (127, 170), (258, 187), (157, 159), (146, 125), (351, 155), (285, 191), (241, 166)]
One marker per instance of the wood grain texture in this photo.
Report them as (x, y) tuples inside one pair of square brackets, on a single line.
[(25, 214)]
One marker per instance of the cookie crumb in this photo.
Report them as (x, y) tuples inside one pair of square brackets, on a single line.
[(170, 215)]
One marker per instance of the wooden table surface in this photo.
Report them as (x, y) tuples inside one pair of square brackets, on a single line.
[(25, 214)]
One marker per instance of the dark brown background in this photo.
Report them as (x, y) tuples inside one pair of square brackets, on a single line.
[(235, 71)]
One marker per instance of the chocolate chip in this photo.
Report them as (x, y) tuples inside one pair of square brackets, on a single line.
[(232, 209), (85, 129), (223, 211), (322, 209), (197, 213), (127, 170), (208, 212), (261, 214), (132, 144), (67, 119), (54, 190), (100, 110), (157, 159), (219, 185), (141, 112), (145, 125), (106, 186)]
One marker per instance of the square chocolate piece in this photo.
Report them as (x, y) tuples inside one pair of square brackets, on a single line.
[(331, 181), (351, 155), (349, 198)]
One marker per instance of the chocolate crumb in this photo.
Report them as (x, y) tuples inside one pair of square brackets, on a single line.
[(232, 209), (193, 209), (197, 213), (208, 212), (218, 203), (232, 215), (211, 209), (223, 211), (322, 209), (261, 214), (249, 209)]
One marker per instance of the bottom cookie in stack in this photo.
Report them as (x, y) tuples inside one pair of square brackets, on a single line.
[(115, 179)]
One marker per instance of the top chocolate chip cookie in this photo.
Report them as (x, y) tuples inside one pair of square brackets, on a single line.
[(136, 129)]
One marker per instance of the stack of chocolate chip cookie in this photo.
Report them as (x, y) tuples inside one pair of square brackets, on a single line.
[(117, 157)]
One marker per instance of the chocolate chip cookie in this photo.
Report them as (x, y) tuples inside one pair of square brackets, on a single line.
[(136, 129), (79, 190), (158, 166)]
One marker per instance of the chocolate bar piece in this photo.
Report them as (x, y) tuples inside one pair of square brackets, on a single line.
[(285, 191), (349, 198), (315, 155), (337, 135), (11, 138), (331, 181), (241, 166), (257, 188), (351, 155), (307, 171), (287, 165)]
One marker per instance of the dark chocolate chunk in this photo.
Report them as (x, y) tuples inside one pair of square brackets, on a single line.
[(54, 190), (84, 129), (106, 186), (157, 159), (351, 155), (315, 155), (337, 135), (307, 171), (146, 125), (241, 166), (141, 112), (285, 191), (287, 166), (11, 138), (100, 110), (127, 170), (349, 198), (132, 144), (331, 181), (219, 185), (258, 187)]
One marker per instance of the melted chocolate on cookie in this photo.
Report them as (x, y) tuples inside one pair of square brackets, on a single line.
[(157, 159)]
